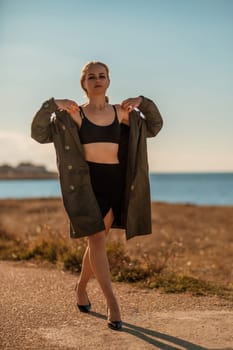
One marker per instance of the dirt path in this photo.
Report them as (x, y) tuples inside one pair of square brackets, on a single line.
[(37, 311)]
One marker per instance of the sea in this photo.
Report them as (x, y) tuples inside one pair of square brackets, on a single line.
[(188, 188)]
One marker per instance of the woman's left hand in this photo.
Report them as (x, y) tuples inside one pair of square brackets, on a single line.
[(130, 103)]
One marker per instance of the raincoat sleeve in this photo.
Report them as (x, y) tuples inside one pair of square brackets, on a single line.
[(152, 116), (41, 124)]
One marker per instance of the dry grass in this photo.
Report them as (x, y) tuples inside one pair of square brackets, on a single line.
[(170, 259)]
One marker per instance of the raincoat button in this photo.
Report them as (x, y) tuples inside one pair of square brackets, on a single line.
[(63, 127), (72, 187), (132, 187), (67, 147), (70, 167)]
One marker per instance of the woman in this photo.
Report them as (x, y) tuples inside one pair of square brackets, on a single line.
[(103, 168)]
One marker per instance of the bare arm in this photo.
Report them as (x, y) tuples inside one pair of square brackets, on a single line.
[(127, 106), (153, 118), (71, 107), (41, 124)]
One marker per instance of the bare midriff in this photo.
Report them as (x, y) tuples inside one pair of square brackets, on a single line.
[(101, 152)]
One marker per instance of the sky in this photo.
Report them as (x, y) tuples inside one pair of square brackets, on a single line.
[(179, 53)]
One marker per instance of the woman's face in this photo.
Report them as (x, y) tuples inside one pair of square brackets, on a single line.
[(96, 80)]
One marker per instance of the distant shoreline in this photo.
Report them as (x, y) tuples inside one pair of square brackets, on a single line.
[(53, 176), (26, 171)]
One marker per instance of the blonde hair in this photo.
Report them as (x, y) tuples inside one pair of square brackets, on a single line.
[(84, 72)]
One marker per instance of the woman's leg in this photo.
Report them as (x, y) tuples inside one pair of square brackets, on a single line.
[(100, 267), (87, 272)]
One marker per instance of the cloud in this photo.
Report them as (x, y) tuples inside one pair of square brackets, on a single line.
[(187, 159), (16, 147)]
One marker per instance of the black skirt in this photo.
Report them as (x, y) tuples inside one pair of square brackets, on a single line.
[(108, 185)]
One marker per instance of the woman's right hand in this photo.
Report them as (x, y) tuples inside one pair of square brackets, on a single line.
[(67, 105)]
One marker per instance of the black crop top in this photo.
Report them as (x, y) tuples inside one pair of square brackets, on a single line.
[(90, 132)]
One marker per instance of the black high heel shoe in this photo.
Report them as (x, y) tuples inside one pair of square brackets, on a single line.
[(84, 308), (114, 325)]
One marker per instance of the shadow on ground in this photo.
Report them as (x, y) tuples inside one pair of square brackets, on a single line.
[(159, 340)]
